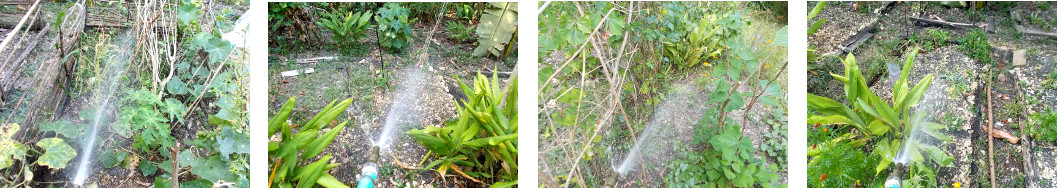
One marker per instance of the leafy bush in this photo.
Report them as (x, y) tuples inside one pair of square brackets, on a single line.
[(483, 139), (459, 31), (284, 154), (1042, 125), (874, 118), (698, 44), (348, 28), (150, 117), (975, 45), (729, 162), (395, 26), (497, 30)]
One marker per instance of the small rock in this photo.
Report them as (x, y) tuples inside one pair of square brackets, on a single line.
[(1002, 77), (1018, 58)]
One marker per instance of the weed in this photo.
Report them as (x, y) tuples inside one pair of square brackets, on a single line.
[(975, 45), (1013, 109), (459, 31), (1041, 126)]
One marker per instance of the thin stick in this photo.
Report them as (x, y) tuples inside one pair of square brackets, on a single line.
[(990, 126), (276, 168), (7, 40)]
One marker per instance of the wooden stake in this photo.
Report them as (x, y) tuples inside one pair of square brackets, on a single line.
[(990, 126), (3, 45)]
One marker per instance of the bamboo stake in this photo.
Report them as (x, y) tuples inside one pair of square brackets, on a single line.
[(14, 32)]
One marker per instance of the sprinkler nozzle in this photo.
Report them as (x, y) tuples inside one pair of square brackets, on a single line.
[(373, 155), (895, 178), (369, 171)]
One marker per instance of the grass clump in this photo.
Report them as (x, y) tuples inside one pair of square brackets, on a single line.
[(1041, 126)]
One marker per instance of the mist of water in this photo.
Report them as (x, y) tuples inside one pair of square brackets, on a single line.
[(403, 108), (111, 79), (675, 112)]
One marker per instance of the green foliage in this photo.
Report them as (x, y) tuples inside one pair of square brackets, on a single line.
[(112, 158), (485, 133), (459, 31), (149, 117), (975, 45), (699, 43), (843, 165), (1051, 80), (775, 144), (285, 153), (56, 154), (811, 53), (394, 26), (497, 29), (874, 118), (730, 162), (10, 150), (1042, 126), (348, 28)]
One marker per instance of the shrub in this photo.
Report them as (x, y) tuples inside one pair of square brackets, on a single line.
[(350, 27), (484, 136), (394, 26)]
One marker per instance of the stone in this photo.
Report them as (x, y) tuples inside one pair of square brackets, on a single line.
[(1019, 59)]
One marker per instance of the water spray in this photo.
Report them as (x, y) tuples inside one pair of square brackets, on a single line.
[(369, 171), (895, 178)]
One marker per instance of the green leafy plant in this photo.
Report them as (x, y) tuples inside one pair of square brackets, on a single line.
[(775, 145), (10, 150), (460, 32), (485, 133), (394, 26), (975, 45), (305, 144), (1041, 126), (730, 162), (150, 118), (699, 44), (811, 52), (843, 165), (347, 28), (874, 118), (497, 31), (1051, 80)]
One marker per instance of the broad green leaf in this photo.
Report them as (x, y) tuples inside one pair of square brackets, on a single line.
[(497, 27), (815, 26), (490, 141), (176, 86), (10, 150), (62, 127), (317, 145), (198, 183), (112, 158), (329, 181), (878, 128), (214, 169), (828, 120), (57, 153), (231, 142), (781, 37), (815, 11)]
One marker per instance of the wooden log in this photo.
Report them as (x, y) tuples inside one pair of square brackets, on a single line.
[(10, 36), (97, 17), (929, 22), (1031, 32), (15, 2)]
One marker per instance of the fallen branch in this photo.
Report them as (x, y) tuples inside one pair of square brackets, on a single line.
[(929, 22), (1030, 32)]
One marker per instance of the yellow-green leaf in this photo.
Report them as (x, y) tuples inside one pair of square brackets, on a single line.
[(56, 154)]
